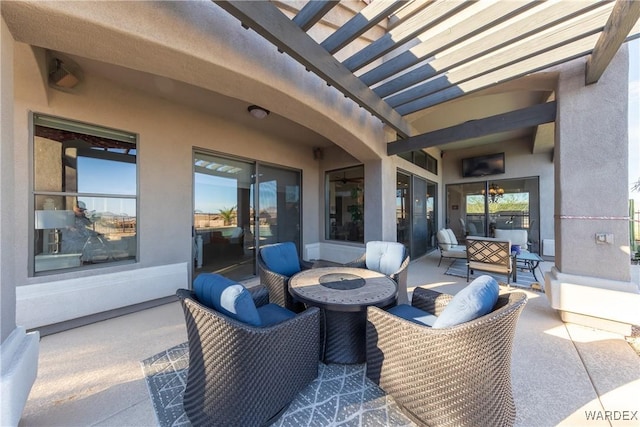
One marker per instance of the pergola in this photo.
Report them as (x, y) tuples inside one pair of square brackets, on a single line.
[(432, 52)]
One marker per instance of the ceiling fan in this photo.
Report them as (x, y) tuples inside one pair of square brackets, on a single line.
[(345, 180)]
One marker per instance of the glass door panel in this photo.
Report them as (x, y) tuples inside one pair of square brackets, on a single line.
[(416, 213), (419, 232), (278, 206), (514, 205), (466, 209), (223, 211), (403, 207), (432, 230)]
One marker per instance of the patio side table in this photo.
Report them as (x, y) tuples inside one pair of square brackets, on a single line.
[(343, 295), (529, 261)]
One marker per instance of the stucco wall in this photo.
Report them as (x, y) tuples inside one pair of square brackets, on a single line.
[(592, 170), (168, 133), (7, 278)]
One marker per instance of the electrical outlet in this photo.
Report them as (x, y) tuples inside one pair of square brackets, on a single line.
[(604, 238)]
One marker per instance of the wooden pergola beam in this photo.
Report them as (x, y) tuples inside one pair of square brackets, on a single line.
[(452, 90), (467, 23), (431, 15), (518, 119), (269, 22), (623, 17), (368, 17), (546, 15), (312, 12)]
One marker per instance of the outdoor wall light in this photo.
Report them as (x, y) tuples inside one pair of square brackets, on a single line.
[(64, 74), (258, 112)]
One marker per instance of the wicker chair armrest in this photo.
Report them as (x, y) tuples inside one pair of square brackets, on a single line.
[(303, 324), (360, 262), (306, 265), (280, 338), (272, 276), (430, 301), (402, 270), (259, 294)]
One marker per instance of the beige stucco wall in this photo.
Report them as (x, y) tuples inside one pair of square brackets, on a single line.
[(206, 48), (168, 134), (7, 288), (592, 132)]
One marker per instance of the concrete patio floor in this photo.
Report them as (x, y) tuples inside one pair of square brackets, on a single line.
[(563, 374)]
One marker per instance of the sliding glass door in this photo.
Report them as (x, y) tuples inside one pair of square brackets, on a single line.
[(238, 206), (479, 208), (415, 213)]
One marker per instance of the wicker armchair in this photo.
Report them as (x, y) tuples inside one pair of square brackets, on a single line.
[(455, 376), (399, 276), (241, 375), (278, 283)]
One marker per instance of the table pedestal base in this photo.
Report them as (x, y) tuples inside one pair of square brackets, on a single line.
[(344, 336)]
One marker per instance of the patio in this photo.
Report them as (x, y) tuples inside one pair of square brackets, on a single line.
[(563, 374)]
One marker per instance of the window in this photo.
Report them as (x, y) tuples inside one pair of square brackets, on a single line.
[(422, 159), (84, 194), (345, 204)]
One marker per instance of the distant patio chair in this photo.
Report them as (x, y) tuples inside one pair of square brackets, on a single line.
[(248, 359), (518, 237), (448, 245), (389, 258), (276, 264), (490, 255), (458, 375)]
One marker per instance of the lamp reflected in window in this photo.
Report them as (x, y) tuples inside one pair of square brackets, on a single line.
[(53, 221)]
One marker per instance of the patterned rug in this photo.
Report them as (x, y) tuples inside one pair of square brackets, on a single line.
[(342, 395), (526, 279)]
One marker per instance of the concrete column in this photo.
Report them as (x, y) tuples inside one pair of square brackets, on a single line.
[(592, 272), (18, 350), (591, 172), (379, 203)]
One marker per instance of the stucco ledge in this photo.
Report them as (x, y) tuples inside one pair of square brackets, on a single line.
[(594, 302), (19, 370)]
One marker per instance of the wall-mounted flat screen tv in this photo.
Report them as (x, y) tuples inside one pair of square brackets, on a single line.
[(491, 164)]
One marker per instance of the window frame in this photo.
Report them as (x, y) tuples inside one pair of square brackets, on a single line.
[(76, 126)]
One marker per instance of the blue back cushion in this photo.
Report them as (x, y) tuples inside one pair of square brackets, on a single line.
[(271, 314), (475, 300), (227, 297), (413, 314), (281, 258)]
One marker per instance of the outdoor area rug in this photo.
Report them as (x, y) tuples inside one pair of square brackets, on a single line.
[(458, 268), (342, 395)]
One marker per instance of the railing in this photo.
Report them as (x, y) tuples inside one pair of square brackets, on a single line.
[(634, 231)]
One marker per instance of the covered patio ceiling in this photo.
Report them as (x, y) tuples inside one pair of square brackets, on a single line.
[(441, 72)]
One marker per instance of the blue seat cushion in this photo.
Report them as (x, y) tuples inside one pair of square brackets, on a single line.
[(227, 297), (475, 300), (413, 314), (281, 258), (271, 314)]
